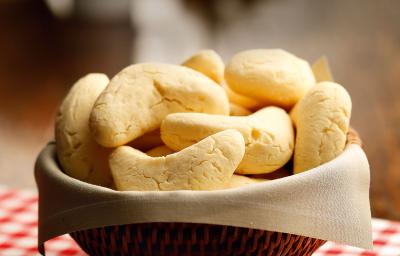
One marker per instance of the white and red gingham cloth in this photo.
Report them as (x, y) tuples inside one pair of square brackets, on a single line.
[(18, 232)]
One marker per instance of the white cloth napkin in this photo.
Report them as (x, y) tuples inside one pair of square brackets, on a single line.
[(330, 202)]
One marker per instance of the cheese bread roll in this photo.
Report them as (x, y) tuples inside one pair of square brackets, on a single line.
[(79, 155), (322, 120), (273, 76)]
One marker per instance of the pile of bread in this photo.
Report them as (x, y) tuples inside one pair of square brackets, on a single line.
[(201, 125)]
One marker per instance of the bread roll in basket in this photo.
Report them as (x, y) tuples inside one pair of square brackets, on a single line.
[(289, 216)]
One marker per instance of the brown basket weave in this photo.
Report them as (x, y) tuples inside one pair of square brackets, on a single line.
[(191, 239), (195, 239)]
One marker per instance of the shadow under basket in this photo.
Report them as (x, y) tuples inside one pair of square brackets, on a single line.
[(195, 239)]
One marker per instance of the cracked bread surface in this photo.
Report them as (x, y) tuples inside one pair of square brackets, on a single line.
[(79, 155), (140, 96), (268, 135), (206, 165), (322, 120)]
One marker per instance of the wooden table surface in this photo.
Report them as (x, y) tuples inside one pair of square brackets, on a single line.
[(41, 57)]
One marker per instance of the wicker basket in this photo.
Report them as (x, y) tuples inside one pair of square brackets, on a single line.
[(191, 239), (194, 239)]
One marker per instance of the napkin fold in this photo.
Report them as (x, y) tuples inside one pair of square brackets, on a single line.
[(330, 202)]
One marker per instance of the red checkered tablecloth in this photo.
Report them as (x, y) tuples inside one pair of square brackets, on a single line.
[(18, 232)]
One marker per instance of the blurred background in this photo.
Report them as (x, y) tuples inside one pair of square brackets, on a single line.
[(47, 45)]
